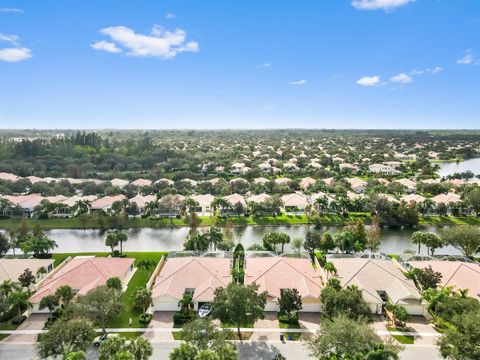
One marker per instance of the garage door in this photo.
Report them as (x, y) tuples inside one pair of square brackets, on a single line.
[(310, 308), (166, 307), (271, 306), (414, 309)]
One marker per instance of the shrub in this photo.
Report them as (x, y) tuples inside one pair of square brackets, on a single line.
[(17, 320), (180, 317), (145, 318)]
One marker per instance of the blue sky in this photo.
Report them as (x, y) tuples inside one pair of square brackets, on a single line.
[(240, 64)]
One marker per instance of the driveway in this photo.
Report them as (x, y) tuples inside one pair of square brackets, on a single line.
[(161, 320), (309, 320), (33, 322), (270, 321), (421, 325)]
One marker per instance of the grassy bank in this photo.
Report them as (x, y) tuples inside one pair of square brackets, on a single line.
[(282, 220)]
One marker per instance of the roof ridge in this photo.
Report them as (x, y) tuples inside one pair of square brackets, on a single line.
[(395, 276), (453, 274)]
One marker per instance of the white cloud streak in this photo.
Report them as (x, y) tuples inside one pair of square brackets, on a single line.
[(160, 43), (170, 16), (11, 10), (15, 54), (106, 46), (401, 78), (386, 5), (298, 82), (467, 59), (369, 81), (264, 66)]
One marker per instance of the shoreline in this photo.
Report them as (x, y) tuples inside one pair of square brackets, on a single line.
[(283, 220)]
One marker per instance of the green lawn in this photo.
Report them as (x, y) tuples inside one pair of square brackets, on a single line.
[(403, 339), (285, 220), (285, 324), (139, 279), (6, 326)]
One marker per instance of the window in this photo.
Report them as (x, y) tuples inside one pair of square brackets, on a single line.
[(189, 291)]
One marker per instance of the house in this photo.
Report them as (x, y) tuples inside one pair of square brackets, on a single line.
[(274, 274), (383, 169), (142, 201), (294, 203), (105, 203), (282, 181), (22, 205), (237, 168), (9, 177), (164, 182), (233, 199), (204, 202), (11, 269), (449, 200), (380, 281), (413, 198), (306, 182), (65, 207), (199, 276), (261, 180), (409, 184), (460, 275), (357, 185), (120, 183), (260, 198), (141, 182), (82, 274)]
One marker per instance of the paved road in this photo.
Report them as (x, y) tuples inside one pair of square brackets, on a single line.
[(248, 351)]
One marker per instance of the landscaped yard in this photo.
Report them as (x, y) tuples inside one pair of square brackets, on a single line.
[(139, 279), (6, 326), (403, 339), (285, 324)]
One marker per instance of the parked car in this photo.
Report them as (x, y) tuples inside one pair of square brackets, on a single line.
[(204, 310), (99, 339)]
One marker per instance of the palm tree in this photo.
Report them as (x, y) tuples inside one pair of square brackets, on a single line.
[(146, 265), (82, 207), (379, 352), (215, 236), (8, 286), (19, 299), (111, 240), (121, 238), (330, 268), (143, 298), (64, 294), (186, 302)]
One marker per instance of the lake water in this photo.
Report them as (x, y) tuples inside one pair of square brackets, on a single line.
[(449, 168), (394, 241)]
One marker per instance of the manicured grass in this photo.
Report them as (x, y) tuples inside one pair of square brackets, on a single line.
[(449, 220), (139, 279), (403, 339), (285, 324), (281, 220), (6, 326), (60, 257), (177, 335)]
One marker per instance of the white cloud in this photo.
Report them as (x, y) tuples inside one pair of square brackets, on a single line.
[(12, 39), (369, 81), (11, 10), (15, 54), (160, 43), (298, 82), (170, 16), (263, 66), (467, 59), (401, 78), (386, 5), (106, 46)]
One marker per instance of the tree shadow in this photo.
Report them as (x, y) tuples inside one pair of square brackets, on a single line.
[(257, 350)]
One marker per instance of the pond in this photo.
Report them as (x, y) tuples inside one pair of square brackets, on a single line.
[(449, 168), (394, 241)]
